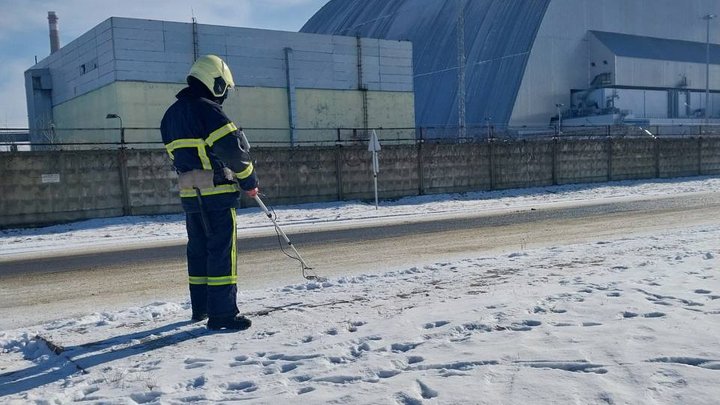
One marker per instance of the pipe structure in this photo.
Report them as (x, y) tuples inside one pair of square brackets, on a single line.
[(54, 33)]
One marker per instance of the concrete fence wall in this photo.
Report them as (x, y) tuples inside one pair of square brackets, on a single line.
[(39, 188)]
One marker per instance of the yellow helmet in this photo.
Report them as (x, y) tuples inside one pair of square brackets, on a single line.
[(214, 73)]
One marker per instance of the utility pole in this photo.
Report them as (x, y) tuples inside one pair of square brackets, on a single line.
[(461, 60), (707, 18)]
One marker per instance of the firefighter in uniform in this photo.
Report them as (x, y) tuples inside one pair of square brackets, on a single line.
[(205, 149)]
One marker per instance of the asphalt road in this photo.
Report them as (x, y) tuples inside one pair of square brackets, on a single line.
[(42, 289)]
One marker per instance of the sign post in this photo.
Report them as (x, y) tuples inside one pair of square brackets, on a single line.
[(374, 147)]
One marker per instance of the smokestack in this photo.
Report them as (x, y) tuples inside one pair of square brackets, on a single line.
[(54, 33)]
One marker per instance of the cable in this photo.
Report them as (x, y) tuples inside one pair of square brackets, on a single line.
[(277, 232), (303, 266)]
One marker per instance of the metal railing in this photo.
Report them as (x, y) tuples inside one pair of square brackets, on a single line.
[(12, 139)]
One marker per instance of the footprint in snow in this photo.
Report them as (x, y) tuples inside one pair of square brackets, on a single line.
[(338, 379), (436, 324), (292, 357), (196, 362), (581, 366), (402, 398), (628, 314), (525, 325), (359, 349), (196, 382), (701, 291), (710, 364), (145, 397), (244, 386), (353, 326), (243, 360), (654, 315), (425, 391), (403, 347), (387, 373)]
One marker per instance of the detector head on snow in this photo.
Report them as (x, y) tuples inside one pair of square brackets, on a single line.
[(214, 73)]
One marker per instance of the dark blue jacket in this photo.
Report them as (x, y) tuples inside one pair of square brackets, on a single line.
[(199, 136)]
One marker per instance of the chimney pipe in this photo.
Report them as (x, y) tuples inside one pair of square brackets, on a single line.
[(54, 33)]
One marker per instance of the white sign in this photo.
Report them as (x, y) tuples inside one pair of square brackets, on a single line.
[(374, 147), (374, 144), (50, 178)]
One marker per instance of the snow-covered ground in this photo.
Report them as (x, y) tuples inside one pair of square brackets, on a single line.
[(633, 319)]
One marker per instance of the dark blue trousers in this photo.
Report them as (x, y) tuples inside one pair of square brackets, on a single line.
[(212, 263)]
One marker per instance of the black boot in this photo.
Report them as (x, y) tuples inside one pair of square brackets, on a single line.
[(198, 316), (238, 322)]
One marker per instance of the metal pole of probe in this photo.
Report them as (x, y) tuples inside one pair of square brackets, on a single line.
[(269, 215), (246, 148)]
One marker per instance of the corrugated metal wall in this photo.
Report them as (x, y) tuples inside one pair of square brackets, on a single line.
[(498, 37)]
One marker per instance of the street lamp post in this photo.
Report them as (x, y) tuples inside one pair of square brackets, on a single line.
[(707, 19), (122, 129), (489, 127), (559, 112), (122, 164)]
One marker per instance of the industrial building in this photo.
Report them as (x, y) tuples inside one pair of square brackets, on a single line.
[(114, 82), (449, 66), (520, 62)]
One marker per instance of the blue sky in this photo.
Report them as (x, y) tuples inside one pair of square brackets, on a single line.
[(24, 30)]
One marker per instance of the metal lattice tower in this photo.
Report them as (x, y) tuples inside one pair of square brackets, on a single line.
[(196, 45), (461, 60)]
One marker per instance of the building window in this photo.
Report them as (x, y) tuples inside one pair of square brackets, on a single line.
[(88, 66)]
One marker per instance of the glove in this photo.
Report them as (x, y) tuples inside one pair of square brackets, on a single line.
[(252, 193)]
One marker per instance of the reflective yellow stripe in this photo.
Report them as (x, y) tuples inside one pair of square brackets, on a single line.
[(183, 143), (233, 251), (198, 144), (204, 159), (219, 133), (245, 173), (216, 281), (221, 189), (198, 280)]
